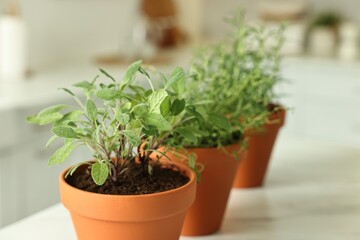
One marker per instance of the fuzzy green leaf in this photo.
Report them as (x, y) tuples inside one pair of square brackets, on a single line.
[(47, 115), (107, 94), (157, 120), (155, 99), (61, 154), (220, 121), (134, 138), (35, 119), (68, 91), (99, 172), (51, 140), (91, 109), (84, 85), (177, 80), (64, 132), (130, 73), (187, 134), (107, 75), (165, 106), (123, 118), (70, 116), (177, 107)]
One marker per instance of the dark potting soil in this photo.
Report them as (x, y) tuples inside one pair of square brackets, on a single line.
[(135, 181)]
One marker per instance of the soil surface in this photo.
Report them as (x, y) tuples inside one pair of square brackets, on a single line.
[(135, 181)]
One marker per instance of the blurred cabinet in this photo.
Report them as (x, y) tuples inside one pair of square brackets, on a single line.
[(325, 95), (27, 184)]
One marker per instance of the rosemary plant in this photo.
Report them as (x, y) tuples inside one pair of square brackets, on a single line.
[(238, 76)]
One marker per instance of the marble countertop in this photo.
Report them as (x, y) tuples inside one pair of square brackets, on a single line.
[(312, 192)]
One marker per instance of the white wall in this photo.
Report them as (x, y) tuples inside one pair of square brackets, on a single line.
[(63, 31), (75, 30), (215, 10)]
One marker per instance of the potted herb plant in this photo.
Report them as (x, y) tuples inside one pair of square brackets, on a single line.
[(256, 69), (123, 193), (217, 135), (237, 77)]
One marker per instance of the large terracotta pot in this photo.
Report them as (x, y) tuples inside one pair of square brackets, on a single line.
[(252, 169), (206, 214), (136, 217)]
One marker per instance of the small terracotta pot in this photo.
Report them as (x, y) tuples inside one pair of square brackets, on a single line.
[(136, 217), (252, 169), (206, 214)]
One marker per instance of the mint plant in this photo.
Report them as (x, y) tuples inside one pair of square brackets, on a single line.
[(120, 122), (239, 76)]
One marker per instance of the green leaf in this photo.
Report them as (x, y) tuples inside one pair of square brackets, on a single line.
[(165, 106), (70, 116), (157, 120), (51, 118), (91, 109), (155, 99), (64, 132), (187, 134), (47, 115), (107, 75), (85, 85), (130, 73), (177, 107), (177, 80), (61, 154), (134, 138), (51, 140), (123, 118), (68, 91), (52, 109), (220, 121), (107, 94), (99, 172), (150, 130)]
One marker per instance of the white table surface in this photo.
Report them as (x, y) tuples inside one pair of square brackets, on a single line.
[(312, 192)]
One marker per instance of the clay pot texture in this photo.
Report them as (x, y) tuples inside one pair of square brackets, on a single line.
[(137, 217), (206, 214), (253, 167)]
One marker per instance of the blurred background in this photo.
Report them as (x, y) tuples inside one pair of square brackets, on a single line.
[(46, 44)]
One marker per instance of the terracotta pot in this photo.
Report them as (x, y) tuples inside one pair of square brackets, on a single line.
[(206, 214), (252, 169), (136, 217)]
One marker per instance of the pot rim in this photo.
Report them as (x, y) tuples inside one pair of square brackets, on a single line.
[(189, 173)]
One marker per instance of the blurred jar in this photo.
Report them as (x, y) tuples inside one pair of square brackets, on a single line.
[(13, 63), (322, 42), (349, 41)]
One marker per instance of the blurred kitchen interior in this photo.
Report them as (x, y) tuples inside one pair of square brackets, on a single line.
[(65, 41)]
